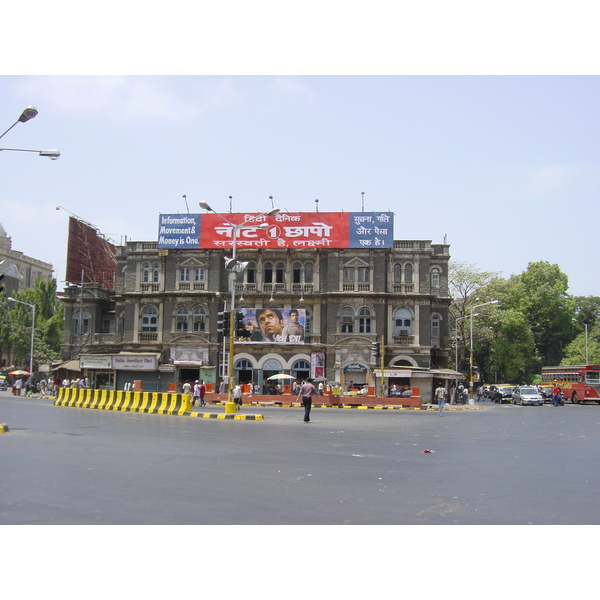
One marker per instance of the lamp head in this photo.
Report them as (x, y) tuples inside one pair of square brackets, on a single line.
[(29, 113), (204, 206)]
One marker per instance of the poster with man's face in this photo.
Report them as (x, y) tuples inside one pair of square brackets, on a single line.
[(274, 325)]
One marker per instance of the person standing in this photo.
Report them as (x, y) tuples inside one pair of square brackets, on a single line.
[(306, 393), (196, 393), (202, 392), (556, 395), (187, 388), (237, 396), (440, 395)]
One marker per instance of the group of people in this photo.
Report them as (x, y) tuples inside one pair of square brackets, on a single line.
[(25, 386), (197, 391)]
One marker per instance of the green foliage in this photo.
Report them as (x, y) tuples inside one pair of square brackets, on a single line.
[(531, 326), (575, 352), (15, 324)]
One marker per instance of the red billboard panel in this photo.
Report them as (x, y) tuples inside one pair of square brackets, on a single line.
[(91, 258)]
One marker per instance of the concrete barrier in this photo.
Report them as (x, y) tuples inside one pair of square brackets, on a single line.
[(146, 402)]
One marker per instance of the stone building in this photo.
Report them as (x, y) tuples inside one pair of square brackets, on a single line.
[(159, 324)]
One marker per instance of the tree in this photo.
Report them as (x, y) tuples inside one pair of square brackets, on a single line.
[(575, 353), (540, 294)]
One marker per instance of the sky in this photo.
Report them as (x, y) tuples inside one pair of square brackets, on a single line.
[(505, 168)]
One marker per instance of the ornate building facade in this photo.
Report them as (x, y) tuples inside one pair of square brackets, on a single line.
[(159, 325)]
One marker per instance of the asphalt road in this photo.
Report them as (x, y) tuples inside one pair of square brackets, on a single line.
[(501, 464)]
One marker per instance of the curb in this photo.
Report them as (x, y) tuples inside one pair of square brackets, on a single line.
[(231, 417), (3, 427)]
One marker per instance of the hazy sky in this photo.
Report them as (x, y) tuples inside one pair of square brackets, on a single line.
[(500, 156)]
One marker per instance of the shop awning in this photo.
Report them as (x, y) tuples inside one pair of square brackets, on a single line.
[(70, 365)]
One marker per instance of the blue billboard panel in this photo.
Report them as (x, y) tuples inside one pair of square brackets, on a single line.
[(179, 231), (372, 230)]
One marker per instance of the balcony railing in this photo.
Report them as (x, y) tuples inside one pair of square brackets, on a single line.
[(148, 337), (404, 340)]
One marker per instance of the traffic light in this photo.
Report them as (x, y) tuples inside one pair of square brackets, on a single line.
[(240, 328), (375, 350), (223, 323)]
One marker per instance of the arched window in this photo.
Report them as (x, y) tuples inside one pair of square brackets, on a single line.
[(347, 320), (435, 277), (435, 326), (81, 321), (397, 273), (364, 320), (408, 273), (250, 272), (280, 273), (268, 273), (198, 320), (302, 272), (145, 273), (155, 273), (150, 319), (182, 316), (403, 321)]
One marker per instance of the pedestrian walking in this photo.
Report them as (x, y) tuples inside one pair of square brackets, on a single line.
[(237, 396), (556, 395), (440, 395), (202, 392), (306, 393), (196, 393), (187, 388)]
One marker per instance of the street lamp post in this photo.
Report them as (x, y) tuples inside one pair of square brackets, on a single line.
[(471, 396), (32, 306), (587, 361), (234, 267), (29, 113), (456, 338)]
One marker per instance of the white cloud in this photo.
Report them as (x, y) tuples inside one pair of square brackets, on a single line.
[(129, 98), (293, 88), (546, 179)]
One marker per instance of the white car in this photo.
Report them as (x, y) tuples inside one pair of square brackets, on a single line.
[(527, 395)]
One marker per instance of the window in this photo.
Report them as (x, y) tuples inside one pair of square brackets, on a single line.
[(184, 274), (268, 272), (348, 274), (81, 321), (199, 274), (364, 320), (302, 273), (150, 319), (403, 322), (199, 320), (408, 273), (250, 273), (280, 273), (397, 273), (347, 320), (435, 326), (363, 274), (145, 273), (155, 273), (435, 278), (182, 319)]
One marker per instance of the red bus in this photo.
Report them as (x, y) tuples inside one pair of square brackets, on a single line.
[(579, 383)]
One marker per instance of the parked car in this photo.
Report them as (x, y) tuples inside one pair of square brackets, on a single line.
[(527, 395), (503, 393), (546, 392)]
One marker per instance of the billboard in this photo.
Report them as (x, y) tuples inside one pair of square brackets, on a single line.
[(285, 230), (90, 257), (273, 325)]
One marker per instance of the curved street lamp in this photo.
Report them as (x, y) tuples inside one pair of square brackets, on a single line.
[(29, 113), (51, 154), (233, 266), (471, 396)]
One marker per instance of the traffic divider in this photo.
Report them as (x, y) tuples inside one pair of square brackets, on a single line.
[(146, 402)]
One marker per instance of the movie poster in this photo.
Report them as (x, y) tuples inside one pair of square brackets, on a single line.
[(273, 325)]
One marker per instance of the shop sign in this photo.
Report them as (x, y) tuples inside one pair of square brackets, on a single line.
[(95, 362), (166, 368), (354, 367), (135, 363)]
